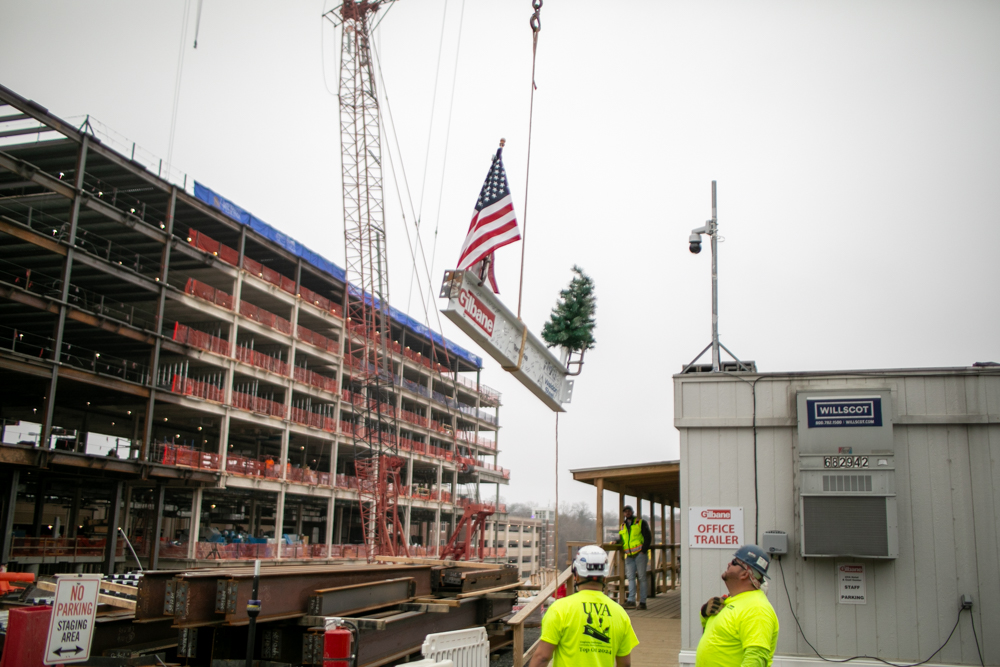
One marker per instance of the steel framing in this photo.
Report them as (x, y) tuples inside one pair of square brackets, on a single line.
[(140, 210)]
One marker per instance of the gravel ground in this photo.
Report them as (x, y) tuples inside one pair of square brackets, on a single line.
[(505, 656)]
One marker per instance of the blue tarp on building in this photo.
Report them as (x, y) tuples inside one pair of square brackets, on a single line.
[(291, 245)]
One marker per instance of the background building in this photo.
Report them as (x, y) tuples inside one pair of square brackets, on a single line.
[(176, 367), (521, 538)]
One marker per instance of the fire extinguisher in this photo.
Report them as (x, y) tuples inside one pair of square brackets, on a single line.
[(340, 646)]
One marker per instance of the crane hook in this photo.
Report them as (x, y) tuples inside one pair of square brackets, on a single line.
[(536, 20)]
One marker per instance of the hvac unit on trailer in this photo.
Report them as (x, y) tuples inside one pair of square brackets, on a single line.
[(847, 473)]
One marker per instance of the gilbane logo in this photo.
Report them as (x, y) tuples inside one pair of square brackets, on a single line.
[(717, 514), (477, 311)]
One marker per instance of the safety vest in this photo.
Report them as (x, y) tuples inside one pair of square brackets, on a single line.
[(631, 538)]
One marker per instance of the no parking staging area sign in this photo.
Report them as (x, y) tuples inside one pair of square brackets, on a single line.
[(72, 626)]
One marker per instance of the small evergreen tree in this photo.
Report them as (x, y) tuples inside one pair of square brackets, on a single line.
[(572, 322)]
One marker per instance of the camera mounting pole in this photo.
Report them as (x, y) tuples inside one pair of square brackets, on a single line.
[(712, 228)]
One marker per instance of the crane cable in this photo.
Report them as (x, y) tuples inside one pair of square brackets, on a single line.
[(536, 26), (447, 141), (417, 244)]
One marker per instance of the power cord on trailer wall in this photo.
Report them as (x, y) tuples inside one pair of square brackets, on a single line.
[(756, 502), (872, 657)]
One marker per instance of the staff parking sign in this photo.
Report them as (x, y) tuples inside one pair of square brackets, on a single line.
[(72, 625)]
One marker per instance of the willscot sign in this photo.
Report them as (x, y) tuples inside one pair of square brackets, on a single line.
[(715, 527)]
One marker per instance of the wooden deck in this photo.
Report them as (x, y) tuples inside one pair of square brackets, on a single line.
[(659, 631)]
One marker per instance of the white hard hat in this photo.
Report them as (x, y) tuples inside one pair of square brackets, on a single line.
[(591, 561)]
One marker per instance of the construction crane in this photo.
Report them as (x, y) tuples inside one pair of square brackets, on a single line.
[(376, 461)]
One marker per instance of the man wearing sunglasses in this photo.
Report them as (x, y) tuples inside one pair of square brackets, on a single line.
[(741, 629)]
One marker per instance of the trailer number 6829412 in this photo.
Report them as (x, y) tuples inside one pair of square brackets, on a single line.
[(845, 461)]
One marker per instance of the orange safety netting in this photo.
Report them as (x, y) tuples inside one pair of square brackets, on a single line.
[(269, 275), (211, 246), (178, 455), (241, 465), (321, 302), (319, 340), (28, 547), (208, 293), (469, 437), (198, 389), (265, 318), (199, 339), (265, 361), (258, 405), (413, 418), (315, 379)]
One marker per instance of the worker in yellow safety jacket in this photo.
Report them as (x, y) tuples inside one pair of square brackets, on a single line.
[(741, 629), (586, 629), (635, 538)]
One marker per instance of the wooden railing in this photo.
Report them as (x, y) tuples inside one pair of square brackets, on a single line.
[(522, 657), (661, 570)]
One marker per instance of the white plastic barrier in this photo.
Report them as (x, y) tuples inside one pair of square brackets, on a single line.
[(461, 648)]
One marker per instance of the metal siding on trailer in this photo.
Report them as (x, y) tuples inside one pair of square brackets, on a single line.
[(943, 575), (690, 394), (975, 398), (725, 393), (954, 396), (991, 392), (934, 395), (712, 475), (964, 527), (903, 582), (738, 446), (948, 504), (985, 476), (915, 397), (885, 627), (783, 502), (866, 615), (691, 566), (767, 478), (920, 514)]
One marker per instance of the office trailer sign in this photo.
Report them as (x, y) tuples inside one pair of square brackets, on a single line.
[(715, 527)]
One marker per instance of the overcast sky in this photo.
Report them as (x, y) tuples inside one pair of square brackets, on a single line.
[(856, 147)]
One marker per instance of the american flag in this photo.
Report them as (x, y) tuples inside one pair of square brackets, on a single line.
[(493, 224)]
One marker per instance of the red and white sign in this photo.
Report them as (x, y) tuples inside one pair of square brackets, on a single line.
[(72, 626), (715, 527), (477, 311), (851, 583)]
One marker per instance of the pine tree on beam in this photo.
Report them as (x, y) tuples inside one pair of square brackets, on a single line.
[(571, 324)]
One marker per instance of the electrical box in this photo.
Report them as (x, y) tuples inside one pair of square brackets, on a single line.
[(847, 473), (775, 542)]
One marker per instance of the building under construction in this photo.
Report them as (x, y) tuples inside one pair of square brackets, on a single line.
[(177, 369)]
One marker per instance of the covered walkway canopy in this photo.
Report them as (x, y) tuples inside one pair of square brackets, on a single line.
[(656, 483)]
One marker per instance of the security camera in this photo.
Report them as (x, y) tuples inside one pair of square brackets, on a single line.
[(695, 241)]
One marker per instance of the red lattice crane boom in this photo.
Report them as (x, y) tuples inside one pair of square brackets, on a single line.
[(368, 325), (471, 526)]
